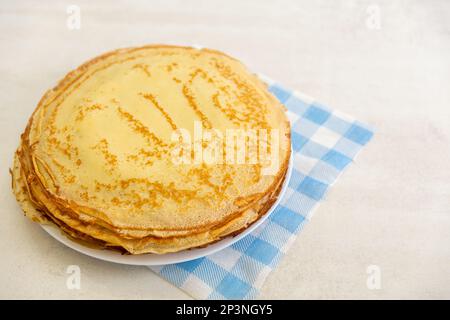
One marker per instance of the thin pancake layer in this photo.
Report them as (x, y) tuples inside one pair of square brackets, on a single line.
[(98, 236)]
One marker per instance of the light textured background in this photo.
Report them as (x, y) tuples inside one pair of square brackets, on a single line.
[(391, 208)]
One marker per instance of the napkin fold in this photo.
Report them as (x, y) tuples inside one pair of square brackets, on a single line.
[(324, 143)]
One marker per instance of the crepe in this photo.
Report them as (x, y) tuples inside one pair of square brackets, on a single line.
[(97, 155)]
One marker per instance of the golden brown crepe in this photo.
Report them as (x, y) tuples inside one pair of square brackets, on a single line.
[(96, 157)]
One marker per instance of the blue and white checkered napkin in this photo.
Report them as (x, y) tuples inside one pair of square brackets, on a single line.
[(324, 143)]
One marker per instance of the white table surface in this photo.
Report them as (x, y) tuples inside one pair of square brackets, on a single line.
[(391, 208)]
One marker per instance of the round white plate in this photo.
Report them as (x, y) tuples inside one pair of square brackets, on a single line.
[(168, 258)]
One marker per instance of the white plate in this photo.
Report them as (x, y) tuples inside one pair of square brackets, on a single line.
[(168, 258)]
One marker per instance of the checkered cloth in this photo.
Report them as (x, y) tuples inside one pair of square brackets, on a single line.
[(324, 143)]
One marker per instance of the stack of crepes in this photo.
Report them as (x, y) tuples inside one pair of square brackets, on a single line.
[(97, 158)]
